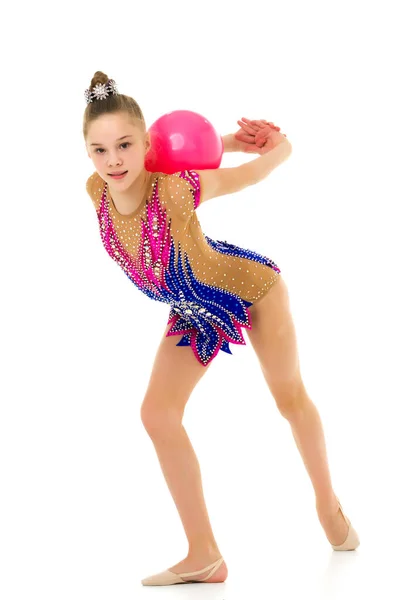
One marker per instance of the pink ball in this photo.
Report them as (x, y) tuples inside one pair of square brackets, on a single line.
[(182, 140)]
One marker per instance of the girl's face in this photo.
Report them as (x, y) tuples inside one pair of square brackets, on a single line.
[(114, 143)]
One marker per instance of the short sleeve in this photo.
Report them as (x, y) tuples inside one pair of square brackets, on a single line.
[(193, 179), (181, 191), (94, 187)]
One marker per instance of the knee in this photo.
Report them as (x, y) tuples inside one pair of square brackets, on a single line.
[(291, 400), (159, 420)]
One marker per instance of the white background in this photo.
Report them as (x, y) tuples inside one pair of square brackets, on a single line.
[(84, 509)]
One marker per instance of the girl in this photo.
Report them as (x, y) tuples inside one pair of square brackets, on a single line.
[(214, 289)]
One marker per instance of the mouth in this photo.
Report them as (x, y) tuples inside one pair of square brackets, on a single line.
[(118, 175)]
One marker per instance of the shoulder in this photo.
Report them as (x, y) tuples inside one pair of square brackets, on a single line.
[(181, 185)]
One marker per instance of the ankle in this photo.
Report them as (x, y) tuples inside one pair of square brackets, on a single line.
[(205, 552), (327, 503), (326, 499)]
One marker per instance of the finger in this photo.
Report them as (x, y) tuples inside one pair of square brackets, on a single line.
[(244, 137), (265, 131), (245, 123), (274, 126), (245, 133), (247, 128), (259, 123), (264, 140), (263, 134), (249, 123), (255, 124), (262, 123), (267, 147)]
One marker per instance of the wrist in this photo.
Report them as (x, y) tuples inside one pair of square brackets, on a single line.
[(230, 143)]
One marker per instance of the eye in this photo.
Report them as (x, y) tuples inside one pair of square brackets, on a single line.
[(123, 144)]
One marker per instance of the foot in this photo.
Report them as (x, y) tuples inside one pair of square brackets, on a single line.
[(198, 562), (332, 520)]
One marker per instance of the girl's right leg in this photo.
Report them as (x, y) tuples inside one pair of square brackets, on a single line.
[(175, 373)]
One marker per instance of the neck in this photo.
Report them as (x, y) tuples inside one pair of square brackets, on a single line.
[(133, 195)]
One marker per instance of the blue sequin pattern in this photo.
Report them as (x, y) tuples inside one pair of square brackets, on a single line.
[(207, 317)]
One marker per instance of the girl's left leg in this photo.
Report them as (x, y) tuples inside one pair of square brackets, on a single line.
[(273, 338)]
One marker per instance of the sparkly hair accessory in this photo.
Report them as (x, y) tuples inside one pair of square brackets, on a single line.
[(101, 91)]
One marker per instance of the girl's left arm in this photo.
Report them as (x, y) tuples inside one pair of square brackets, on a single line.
[(218, 182), (231, 144)]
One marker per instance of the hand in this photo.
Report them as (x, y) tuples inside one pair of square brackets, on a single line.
[(258, 136)]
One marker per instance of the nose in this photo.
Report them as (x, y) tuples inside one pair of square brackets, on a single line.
[(114, 160), (114, 164)]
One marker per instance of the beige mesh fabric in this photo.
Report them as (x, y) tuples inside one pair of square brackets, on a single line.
[(242, 276)]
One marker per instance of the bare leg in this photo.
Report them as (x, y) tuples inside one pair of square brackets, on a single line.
[(307, 430), (181, 470), (273, 338), (175, 374)]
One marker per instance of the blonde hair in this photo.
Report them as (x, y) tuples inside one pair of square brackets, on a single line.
[(114, 103)]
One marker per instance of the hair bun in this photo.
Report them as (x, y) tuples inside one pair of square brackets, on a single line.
[(102, 97), (98, 77), (100, 89)]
